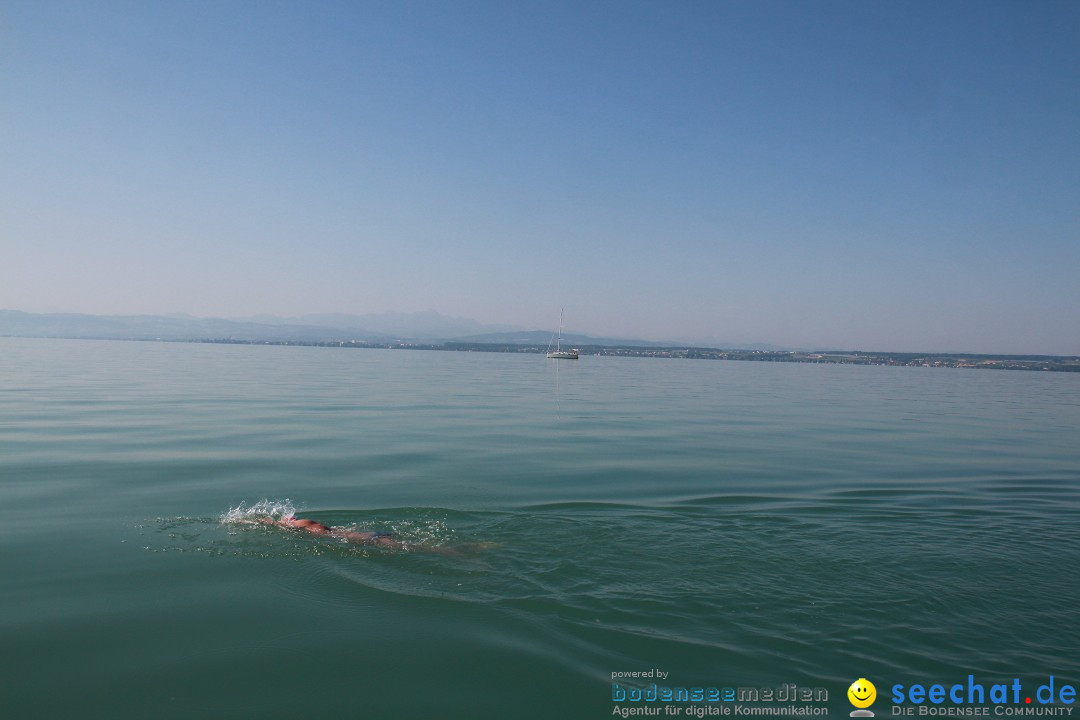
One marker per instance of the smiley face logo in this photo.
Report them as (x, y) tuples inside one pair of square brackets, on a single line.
[(862, 693)]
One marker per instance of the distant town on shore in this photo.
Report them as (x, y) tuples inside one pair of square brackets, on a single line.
[(1050, 363)]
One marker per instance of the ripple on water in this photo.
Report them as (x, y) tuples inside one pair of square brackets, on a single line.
[(788, 574)]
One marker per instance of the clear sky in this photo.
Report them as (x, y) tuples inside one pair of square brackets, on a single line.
[(871, 175)]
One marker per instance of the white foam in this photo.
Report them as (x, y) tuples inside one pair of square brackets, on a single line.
[(272, 509)]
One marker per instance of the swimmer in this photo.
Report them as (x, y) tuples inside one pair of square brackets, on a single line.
[(382, 539)]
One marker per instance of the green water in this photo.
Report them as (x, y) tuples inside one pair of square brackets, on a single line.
[(733, 524)]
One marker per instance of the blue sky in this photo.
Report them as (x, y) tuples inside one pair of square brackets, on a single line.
[(890, 176)]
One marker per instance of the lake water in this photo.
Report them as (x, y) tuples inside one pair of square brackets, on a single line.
[(729, 523)]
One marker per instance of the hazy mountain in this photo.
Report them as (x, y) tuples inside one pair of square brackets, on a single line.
[(424, 327), (384, 328), (543, 337), (159, 327), (428, 325)]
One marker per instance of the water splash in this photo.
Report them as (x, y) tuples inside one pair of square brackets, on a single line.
[(264, 509)]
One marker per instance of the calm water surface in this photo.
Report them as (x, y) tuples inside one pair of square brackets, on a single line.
[(729, 523)]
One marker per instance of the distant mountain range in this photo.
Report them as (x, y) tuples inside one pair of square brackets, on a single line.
[(423, 327), (428, 325), (543, 337)]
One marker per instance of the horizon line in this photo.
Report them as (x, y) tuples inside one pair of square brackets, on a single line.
[(601, 342)]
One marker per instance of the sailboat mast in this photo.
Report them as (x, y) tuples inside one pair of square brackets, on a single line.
[(558, 345)]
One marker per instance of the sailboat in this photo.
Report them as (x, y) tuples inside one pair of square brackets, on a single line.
[(559, 353)]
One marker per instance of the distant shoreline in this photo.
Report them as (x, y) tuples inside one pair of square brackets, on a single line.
[(1042, 363)]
